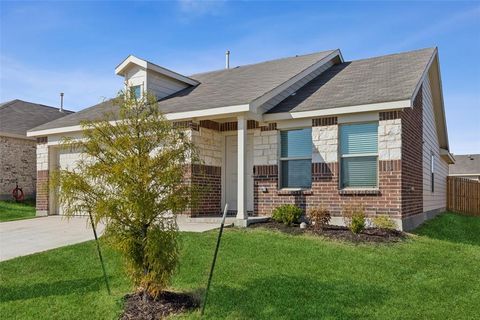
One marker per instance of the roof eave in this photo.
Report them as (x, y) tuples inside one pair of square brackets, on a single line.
[(435, 63), (381, 106), (131, 59), (447, 156), (15, 135)]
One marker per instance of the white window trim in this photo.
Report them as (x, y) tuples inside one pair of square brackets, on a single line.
[(357, 155), (280, 159)]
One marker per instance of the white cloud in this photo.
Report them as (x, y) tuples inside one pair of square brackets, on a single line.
[(82, 88)]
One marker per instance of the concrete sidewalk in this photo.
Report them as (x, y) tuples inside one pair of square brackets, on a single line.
[(24, 237)]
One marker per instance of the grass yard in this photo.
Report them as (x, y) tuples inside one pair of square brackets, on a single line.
[(11, 210), (267, 275)]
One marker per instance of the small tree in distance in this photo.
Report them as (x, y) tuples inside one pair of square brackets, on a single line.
[(131, 178)]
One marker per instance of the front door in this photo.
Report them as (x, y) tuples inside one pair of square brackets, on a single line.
[(231, 168)]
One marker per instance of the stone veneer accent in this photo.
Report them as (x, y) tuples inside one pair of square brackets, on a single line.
[(325, 140), (389, 139), (209, 144), (17, 164), (265, 147)]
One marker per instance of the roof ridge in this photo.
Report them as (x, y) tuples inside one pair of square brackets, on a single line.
[(8, 103), (262, 62), (392, 54)]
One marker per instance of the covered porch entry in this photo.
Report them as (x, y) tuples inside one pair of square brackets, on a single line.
[(231, 173), (226, 149)]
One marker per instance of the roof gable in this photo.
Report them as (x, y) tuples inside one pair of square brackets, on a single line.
[(368, 81), (131, 60), (239, 85)]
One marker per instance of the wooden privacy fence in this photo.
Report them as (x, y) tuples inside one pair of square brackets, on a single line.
[(463, 195)]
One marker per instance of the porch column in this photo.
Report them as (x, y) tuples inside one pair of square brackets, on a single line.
[(241, 185)]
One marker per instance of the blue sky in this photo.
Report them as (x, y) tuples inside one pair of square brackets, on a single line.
[(73, 47)]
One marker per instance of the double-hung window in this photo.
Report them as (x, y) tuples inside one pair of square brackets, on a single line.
[(136, 91), (296, 158), (359, 155)]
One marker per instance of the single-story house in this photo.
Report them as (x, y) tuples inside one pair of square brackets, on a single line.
[(17, 151), (465, 166), (311, 130)]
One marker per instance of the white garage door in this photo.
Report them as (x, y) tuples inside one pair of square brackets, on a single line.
[(66, 160)]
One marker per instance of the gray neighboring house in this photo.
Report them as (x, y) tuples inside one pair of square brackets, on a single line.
[(465, 166), (17, 151)]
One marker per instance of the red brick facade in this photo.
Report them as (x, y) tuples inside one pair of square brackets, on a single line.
[(325, 191), (400, 192), (207, 180), (412, 157), (42, 190)]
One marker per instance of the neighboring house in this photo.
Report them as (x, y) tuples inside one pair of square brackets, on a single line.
[(466, 166), (311, 130), (17, 151)]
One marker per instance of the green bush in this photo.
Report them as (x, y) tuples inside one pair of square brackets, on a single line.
[(319, 217), (287, 214), (384, 222), (354, 218)]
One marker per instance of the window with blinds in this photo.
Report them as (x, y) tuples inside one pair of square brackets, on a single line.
[(359, 155), (296, 158)]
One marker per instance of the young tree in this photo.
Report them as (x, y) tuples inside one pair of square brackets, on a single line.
[(131, 178)]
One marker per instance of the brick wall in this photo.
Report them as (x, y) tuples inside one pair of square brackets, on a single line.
[(325, 191), (412, 156), (17, 163), (207, 180), (42, 177), (325, 174), (42, 192)]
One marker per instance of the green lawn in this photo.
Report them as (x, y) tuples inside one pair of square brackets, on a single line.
[(10, 210), (266, 275)]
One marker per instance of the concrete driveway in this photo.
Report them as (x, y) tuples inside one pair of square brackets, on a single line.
[(23, 237)]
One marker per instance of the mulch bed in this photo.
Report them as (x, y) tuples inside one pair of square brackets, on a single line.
[(369, 235), (167, 304)]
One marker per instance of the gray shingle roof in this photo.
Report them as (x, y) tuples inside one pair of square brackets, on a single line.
[(17, 116), (465, 164), (381, 79), (222, 88)]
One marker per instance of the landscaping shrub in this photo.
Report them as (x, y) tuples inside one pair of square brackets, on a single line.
[(287, 214), (319, 217), (354, 218), (384, 222), (131, 178)]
